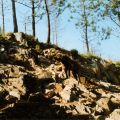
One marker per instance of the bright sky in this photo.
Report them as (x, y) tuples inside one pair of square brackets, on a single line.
[(69, 37)]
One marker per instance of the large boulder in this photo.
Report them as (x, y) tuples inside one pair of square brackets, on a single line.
[(17, 37), (115, 115)]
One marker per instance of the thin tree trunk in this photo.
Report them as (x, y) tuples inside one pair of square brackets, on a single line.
[(14, 16), (3, 18), (86, 30), (48, 20), (25, 27), (55, 27), (33, 17), (53, 35)]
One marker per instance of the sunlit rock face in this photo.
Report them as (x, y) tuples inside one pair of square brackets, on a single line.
[(41, 81)]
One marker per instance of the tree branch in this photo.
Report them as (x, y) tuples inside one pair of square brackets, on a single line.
[(24, 4), (114, 21)]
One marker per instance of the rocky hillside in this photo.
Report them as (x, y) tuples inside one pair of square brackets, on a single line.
[(38, 80)]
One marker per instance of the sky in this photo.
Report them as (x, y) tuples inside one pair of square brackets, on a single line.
[(68, 36)]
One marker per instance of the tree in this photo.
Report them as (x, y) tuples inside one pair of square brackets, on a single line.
[(14, 16), (33, 17), (3, 17), (86, 26), (84, 13), (48, 20), (112, 10), (33, 5), (55, 7)]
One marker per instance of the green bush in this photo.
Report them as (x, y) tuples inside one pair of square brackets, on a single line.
[(74, 53), (29, 37)]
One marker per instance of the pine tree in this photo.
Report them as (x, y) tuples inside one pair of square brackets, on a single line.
[(14, 16)]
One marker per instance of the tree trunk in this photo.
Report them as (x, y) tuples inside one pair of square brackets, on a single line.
[(55, 25), (3, 18), (33, 17), (86, 30), (14, 16), (48, 20), (25, 27)]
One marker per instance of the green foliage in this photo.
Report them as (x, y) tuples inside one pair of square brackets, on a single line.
[(74, 53), (85, 13), (29, 37), (117, 64), (90, 55), (111, 11), (55, 46), (58, 6)]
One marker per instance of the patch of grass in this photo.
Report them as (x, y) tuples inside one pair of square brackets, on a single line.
[(90, 56), (117, 64), (9, 34), (2, 37)]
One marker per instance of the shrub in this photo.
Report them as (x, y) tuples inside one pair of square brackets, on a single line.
[(29, 37), (74, 53)]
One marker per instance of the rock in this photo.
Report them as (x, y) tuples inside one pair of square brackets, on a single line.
[(62, 75), (71, 82), (116, 100), (13, 96), (10, 71), (2, 48), (58, 88), (103, 106), (43, 74), (35, 78), (43, 60), (20, 38), (59, 68), (82, 109), (31, 63), (15, 88), (50, 53), (71, 92), (115, 115), (1, 88), (13, 49), (66, 93)]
